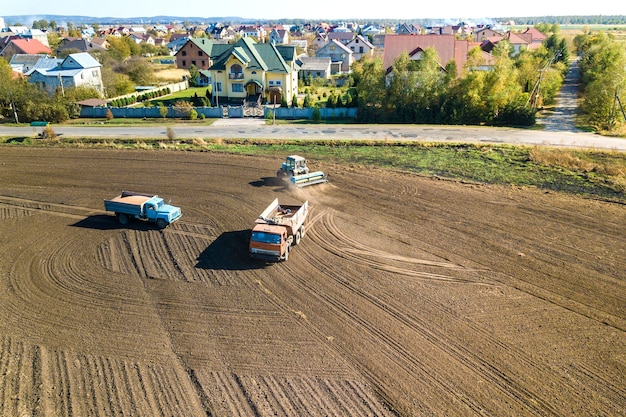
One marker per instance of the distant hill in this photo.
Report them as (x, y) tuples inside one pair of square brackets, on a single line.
[(61, 20), (90, 20)]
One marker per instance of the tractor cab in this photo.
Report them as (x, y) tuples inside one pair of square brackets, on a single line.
[(293, 165)]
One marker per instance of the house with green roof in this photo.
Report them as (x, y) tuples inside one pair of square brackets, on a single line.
[(245, 70)]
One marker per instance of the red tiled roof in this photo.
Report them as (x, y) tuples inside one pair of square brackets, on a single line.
[(536, 35), (30, 46)]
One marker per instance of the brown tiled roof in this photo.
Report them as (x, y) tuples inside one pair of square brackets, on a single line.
[(447, 47)]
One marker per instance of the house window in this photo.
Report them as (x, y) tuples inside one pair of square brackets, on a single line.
[(361, 49), (199, 53), (193, 62), (218, 87), (184, 63), (237, 88), (236, 72), (271, 82), (184, 53)]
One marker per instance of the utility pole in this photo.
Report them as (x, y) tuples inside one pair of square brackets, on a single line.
[(14, 109), (61, 84)]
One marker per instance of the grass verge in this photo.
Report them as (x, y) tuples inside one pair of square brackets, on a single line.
[(596, 174)]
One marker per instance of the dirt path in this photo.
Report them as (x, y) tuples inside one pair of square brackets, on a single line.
[(408, 296), (562, 118)]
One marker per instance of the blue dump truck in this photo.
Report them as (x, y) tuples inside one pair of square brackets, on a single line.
[(130, 205)]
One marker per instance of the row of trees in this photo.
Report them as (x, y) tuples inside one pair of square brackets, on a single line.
[(420, 92), (24, 102), (123, 67), (603, 77)]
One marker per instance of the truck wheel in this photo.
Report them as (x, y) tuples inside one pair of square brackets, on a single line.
[(287, 253), (296, 238), (302, 232), (123, 218), (161, 223)]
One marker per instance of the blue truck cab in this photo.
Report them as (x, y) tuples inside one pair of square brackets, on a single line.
[(130, 205)]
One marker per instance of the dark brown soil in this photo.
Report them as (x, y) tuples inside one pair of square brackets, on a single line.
[(408, 296)]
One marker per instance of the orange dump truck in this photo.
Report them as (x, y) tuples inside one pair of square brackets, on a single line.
[(276, 230)]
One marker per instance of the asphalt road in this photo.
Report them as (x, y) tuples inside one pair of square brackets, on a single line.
[(258, 129)]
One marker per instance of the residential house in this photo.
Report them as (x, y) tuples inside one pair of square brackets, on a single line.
[(141, 38), (360, 47), (161, 30), (256, 32), (279, 37), (247, 69), (100, 41), (217, 31), (489, 43), (25, 64), (24, 46), (534, 36), (314, 67), (518, 42), (447, 30), (448, 49), (18, 30), (372, 30), (408, 29), (343, 37), (196, 52), (76, 70), (177, 41), (87, 32), (36, 34), (379, 41), (111, 31), (124, 30), (485, 33), (79, 45), (321, 38), (339, 54), (6, 38)]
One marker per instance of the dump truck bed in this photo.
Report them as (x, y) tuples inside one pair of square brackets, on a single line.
[(130, 203), (290, 216)]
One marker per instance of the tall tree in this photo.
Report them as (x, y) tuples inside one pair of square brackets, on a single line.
[(368, 78)]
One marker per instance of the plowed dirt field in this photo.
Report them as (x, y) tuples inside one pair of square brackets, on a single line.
[(408, 296)]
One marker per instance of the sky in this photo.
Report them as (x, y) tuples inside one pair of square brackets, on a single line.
[(455, 10)]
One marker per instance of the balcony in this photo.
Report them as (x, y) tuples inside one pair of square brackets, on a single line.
[(235, 75)]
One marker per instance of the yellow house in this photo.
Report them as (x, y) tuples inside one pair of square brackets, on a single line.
[(248, 70)]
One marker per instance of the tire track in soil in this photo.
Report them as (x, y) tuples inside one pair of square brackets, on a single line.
[(518, 392), (396, 305), (70, 285), (574, 389), (545, 260)]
